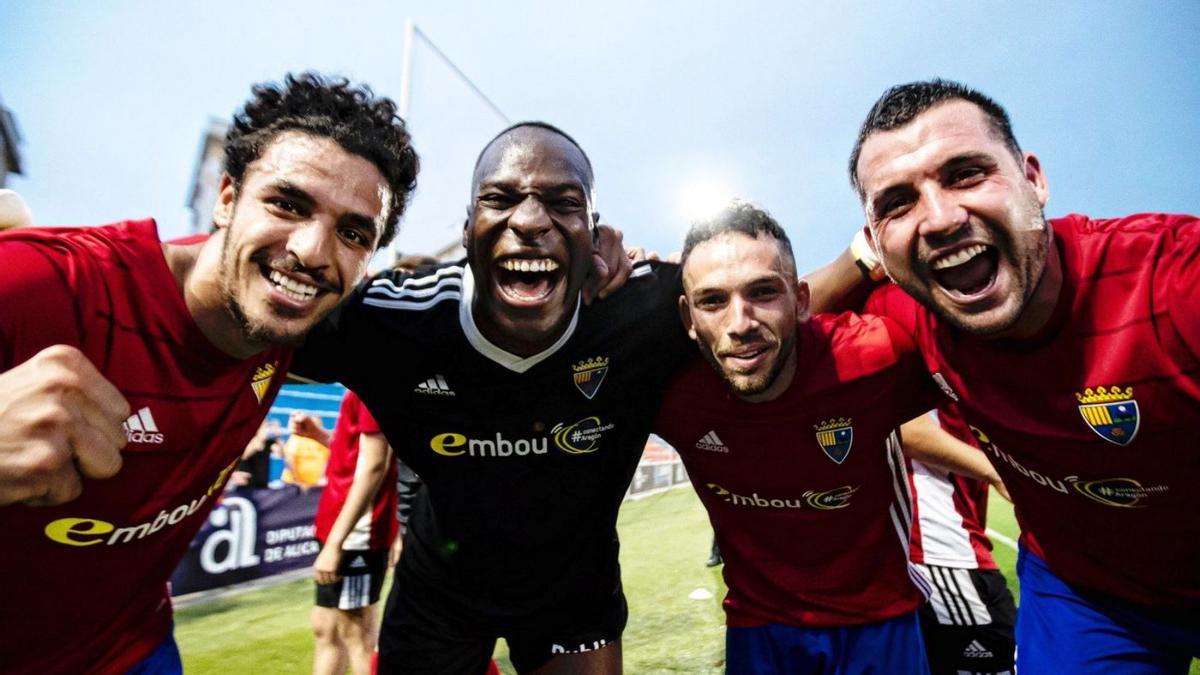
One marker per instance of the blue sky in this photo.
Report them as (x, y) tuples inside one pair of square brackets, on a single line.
[(762, 100)]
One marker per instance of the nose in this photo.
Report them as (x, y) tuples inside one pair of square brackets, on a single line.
[(530, 220), (944, 214), (742, 319), (312, 243)]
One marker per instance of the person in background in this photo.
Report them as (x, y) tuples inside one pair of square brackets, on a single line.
[(254, 471), (355, 524)]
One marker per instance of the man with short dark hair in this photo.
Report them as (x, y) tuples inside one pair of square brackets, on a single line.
[(524, 412), (134, 371), (1073, 346), (787, 434)]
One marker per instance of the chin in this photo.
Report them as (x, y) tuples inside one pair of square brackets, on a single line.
[(985, 323)]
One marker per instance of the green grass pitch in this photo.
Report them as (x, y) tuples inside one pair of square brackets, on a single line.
[(665, 540)]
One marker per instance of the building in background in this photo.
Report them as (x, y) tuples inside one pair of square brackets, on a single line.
[(206, 174), (10, 154)]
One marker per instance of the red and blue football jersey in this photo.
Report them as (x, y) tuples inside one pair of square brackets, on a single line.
[(378, 527), (808, 493), (86, 581), (1093, 423)]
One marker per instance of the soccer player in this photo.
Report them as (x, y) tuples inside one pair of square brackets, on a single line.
[(524, 412), (968, 622), (356, 525), (787, 434), (134, 372), (1073, 346)]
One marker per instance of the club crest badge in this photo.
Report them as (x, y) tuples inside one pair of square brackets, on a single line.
[(835, 437), (589, 375), (261, 381), (1110, 412)]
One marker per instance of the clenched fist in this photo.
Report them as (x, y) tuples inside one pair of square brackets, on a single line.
[(60, 422)]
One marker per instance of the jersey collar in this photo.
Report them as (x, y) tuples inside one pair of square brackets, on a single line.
[(485, 347)]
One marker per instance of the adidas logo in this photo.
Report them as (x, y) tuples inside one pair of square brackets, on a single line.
[(436, 386), (140, 428), (977, 651), (711, 443), (358, 563)]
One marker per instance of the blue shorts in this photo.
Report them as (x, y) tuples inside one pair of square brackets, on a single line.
[(1062, 630), (891, 646), (164, 660)]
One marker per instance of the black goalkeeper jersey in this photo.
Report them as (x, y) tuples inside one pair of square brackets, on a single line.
[(526, 459)]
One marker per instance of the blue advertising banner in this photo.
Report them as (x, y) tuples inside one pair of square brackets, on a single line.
[(252, 533)]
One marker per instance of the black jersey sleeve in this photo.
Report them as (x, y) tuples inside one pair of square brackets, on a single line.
[(341, 345)]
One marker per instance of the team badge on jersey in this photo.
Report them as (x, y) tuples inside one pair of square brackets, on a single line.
[(261, 381), (589, 375), (835, 437), (1110, 412)]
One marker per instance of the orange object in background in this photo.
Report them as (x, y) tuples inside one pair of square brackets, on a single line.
[(305, 461)]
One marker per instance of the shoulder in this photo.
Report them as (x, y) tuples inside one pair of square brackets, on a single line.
[(890, 301), (415, 291), (652, 285), (862, 345), (1133, 240)]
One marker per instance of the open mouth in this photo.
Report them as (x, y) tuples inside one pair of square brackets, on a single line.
[(967, 272), (528, 280)]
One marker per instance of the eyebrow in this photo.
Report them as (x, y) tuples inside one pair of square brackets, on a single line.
[(290, 189), (556, 189), (359, 220), (956, 160), (766, 279)]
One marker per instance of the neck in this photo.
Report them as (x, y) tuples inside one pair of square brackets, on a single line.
[(514, 343), (197, 272)]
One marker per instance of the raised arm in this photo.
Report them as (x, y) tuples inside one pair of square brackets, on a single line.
[(925, 441)]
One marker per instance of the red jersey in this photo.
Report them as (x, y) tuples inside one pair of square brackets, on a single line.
[(377, 528), (1093, 423), (86, 582), (951, 510), (807, 493)]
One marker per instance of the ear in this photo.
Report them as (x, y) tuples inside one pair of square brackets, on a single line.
[(803, 301), (1035, 176), (466, 227), (222, 214), (870, 236), (685, 315)]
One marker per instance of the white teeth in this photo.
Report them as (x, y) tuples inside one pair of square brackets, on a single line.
[(526, 265), (292, 288), (959, 257)]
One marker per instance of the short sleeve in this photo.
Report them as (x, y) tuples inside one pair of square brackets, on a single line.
[(366, 421), (888, 300), (328, 353), (1179, 281), (38, 307)]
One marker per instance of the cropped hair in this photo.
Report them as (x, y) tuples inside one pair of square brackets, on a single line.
[(328, 107), (537, 124), (902, 104), (739, 216)]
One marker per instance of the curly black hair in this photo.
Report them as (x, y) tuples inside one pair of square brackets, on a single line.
[(361, 122), (902, 104)]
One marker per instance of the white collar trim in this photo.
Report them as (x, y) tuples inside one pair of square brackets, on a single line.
[(485, 347)]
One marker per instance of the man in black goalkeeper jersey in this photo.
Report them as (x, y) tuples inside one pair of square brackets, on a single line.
[(524, 411)]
